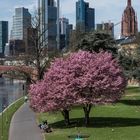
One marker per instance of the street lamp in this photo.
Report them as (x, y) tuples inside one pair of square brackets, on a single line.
[(23, 88)]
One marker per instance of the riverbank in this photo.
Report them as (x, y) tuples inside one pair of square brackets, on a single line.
[(10, 91), (6, 116)]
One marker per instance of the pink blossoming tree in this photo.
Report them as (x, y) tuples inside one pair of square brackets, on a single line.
[(81, 78)]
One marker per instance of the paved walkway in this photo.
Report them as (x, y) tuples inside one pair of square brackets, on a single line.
[(23, 125)]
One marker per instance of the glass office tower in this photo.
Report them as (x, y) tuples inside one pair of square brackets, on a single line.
[(3, 36), (21, 21), (48, 20), (85, 16)]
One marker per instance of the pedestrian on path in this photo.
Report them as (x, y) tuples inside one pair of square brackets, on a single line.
[(25, 98)]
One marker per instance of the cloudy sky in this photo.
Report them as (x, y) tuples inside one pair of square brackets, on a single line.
[(105, 9)]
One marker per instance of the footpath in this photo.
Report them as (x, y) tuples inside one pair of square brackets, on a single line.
[(23, 125)]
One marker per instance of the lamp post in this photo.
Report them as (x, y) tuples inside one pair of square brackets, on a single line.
[(23, 87)]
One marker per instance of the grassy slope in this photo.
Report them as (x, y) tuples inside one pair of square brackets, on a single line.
[(110, 122), (7, 116)]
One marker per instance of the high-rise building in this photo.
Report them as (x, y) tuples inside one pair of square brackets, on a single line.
[(16, 47), (21, 22), (129, 21), (7, 50), (49, 19), (69, 32), (3, 36), (18, 38), (90, 18), (63, 25), (32, 36), (65, 30), (85, 16), (63, 22), (107, 27)]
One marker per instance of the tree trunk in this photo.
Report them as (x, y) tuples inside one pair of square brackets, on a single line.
[(87, 109), (65, 113)]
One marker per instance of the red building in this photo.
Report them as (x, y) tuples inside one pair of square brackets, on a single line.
[(129, 21)]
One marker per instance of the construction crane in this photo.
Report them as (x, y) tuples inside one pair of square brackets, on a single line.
[(113, 25)]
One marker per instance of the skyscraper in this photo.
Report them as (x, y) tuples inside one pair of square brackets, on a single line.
[(107, 27), (65, 31), (21, 22), (49, 19), (85, 16), (129, 21), (63, 25), (3, 36)]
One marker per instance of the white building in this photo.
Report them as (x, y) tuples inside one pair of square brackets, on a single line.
[(21, 21)]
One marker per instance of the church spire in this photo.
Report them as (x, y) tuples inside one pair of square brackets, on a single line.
[(129, 21), (128, 2)]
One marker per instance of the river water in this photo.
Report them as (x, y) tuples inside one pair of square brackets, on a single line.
[(10, 90)]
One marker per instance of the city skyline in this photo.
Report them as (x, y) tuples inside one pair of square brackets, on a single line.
[(68, 10)]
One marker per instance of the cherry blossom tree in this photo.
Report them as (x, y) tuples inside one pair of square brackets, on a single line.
[(82, 78)]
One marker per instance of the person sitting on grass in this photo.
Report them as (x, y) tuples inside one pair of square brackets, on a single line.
[(44, 126)]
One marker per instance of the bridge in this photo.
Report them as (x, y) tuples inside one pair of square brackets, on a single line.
[(30, 71)]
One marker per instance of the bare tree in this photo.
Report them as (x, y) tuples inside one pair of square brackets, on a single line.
[(37, 54)]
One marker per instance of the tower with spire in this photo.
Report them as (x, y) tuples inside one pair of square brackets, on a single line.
[(129, 24), (129, 2)]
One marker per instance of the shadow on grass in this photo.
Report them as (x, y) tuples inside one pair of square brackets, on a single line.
[(130, 102), (99, 122), (133, 89)]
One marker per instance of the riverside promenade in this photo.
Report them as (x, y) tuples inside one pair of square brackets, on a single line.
[(23, 125)]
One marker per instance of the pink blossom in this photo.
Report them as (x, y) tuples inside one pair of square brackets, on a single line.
[(80, 78)]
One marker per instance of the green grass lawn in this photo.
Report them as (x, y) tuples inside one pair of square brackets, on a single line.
[(111, 122), (7, 116)]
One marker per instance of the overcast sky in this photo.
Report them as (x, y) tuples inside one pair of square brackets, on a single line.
[(105, 9)]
